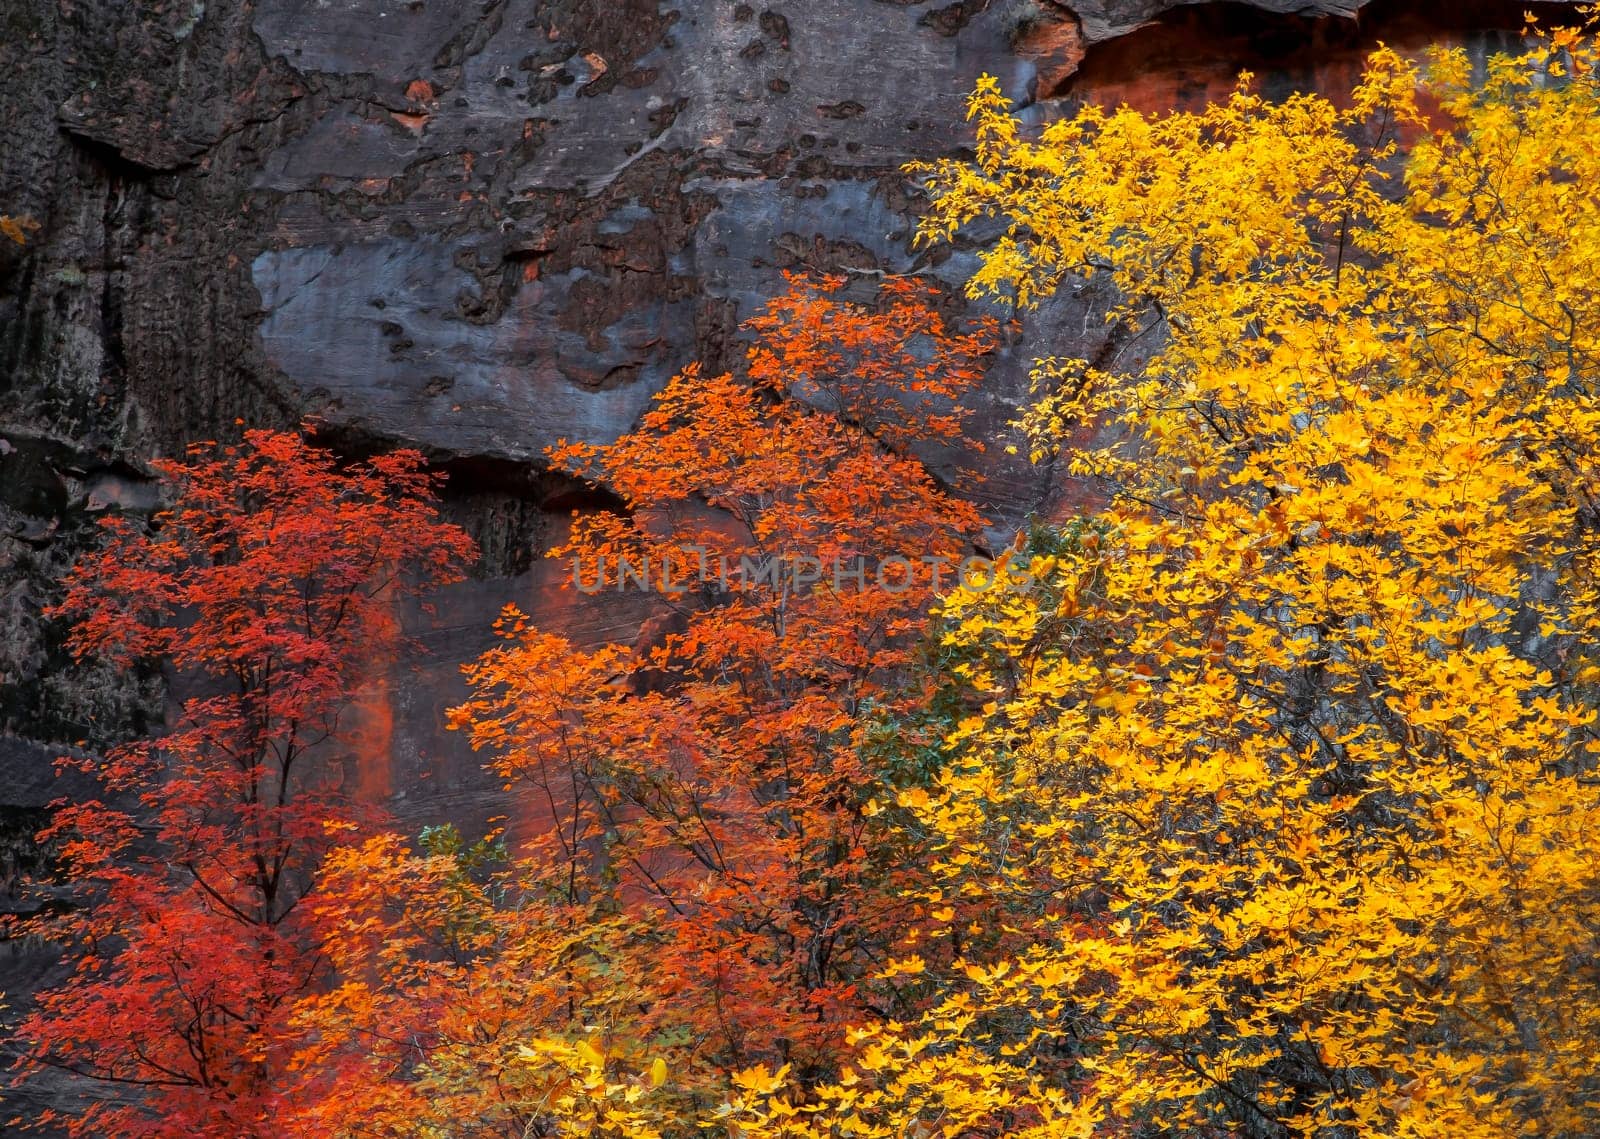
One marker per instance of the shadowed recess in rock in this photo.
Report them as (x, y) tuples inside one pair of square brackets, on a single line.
[(1193, 54)]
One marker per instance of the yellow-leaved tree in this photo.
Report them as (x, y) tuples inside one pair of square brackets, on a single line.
[(1279, 793)]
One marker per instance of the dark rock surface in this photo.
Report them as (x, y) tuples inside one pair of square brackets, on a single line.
[(476, 226)]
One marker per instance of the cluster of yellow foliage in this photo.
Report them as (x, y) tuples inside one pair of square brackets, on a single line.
[(1282, 796), (461, 1010)]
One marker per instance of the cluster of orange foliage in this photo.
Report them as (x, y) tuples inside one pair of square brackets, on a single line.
[(704, 893)]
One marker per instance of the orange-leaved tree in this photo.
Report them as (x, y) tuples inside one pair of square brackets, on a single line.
[(730, 800), (705, 887), (268, 589)]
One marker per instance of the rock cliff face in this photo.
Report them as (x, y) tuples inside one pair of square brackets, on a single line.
[(474, 226)]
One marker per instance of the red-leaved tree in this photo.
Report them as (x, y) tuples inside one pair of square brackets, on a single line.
[(269, 590)]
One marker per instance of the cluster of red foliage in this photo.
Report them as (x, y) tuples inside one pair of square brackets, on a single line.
[(267, 587)]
